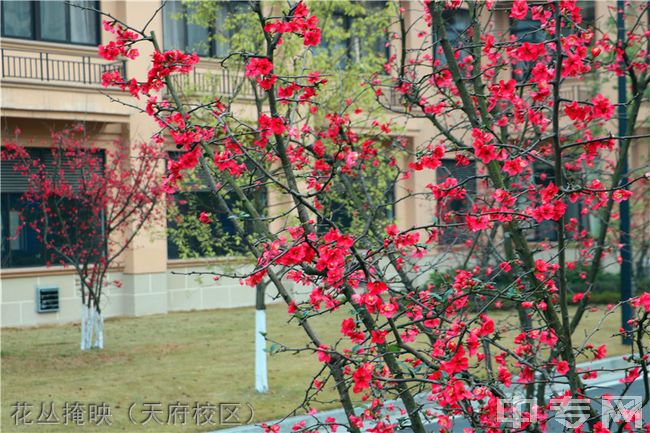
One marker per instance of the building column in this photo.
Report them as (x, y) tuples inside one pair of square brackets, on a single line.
[(145, 261)]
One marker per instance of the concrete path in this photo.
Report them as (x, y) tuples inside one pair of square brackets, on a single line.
[(607, 380)]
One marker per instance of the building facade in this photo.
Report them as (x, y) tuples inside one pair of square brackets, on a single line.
[(51, 78)]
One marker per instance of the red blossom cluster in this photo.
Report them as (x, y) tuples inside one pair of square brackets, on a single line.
[(299, 22), (122, 45)]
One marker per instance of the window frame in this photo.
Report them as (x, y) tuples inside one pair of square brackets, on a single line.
[(198, 187), (457, 42), (353, 44), (212, 49), (18, 195), (456, 235), (37, 30)]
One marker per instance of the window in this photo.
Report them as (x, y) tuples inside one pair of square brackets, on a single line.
[(188, 237), (587, 18), (453, 212), (547, 230), (527, 30), (588, 13), (51, 20), (457, 22), (182, 34), (23, 248), (357, 45), (351, 215)]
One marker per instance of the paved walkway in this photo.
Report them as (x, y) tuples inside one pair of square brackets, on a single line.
[(604, 379)]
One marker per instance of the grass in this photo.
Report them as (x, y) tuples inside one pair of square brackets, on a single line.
[(203, 356)]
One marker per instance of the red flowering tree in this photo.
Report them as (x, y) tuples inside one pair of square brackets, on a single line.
[(537, 161), (86, 205)]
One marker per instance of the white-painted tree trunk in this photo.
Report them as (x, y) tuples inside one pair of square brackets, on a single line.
[(92, 328), (261, 378)]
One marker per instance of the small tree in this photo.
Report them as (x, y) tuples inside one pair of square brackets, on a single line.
[(89, 204)]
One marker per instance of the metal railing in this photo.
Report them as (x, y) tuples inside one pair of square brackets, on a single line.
[(214, 82), (575, 92), (59, 68)]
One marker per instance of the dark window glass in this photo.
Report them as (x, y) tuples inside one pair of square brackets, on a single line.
[(355, 47), (20, 248), (174, 26), (17, 19), (587, 18), (51, 20), (380, 45), (222, 229), (351, 216), (198, 40), (84, 23), (220, 46), (181, 33), (457, 22), (588, 12), (453, 212), (343, 49), (545, 230), (530, 31), (23, 248), (187, 237)]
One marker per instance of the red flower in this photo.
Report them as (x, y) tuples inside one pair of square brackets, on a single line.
[(621, 195), (562, 367), (576, 112), (577, 297), (392, 230), (487, 326), (529, 52), (323, 354), (388, 309), (274, 125), (312, 37), (457, 363), (642, 301), (258, 66), (362, 377), (378, 337), (505, 376), (631, 375), (205, 218), (519, 9), (514, 166), (602, 108)]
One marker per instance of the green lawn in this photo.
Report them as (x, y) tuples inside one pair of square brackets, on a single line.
[(201, 356)]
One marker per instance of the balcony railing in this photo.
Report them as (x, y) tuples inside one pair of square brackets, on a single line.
[(575, 92), (56, 68), (213, 82)]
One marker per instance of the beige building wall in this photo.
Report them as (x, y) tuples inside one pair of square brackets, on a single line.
[(150, 282)]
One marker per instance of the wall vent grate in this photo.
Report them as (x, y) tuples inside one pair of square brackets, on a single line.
[(47, 299)]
